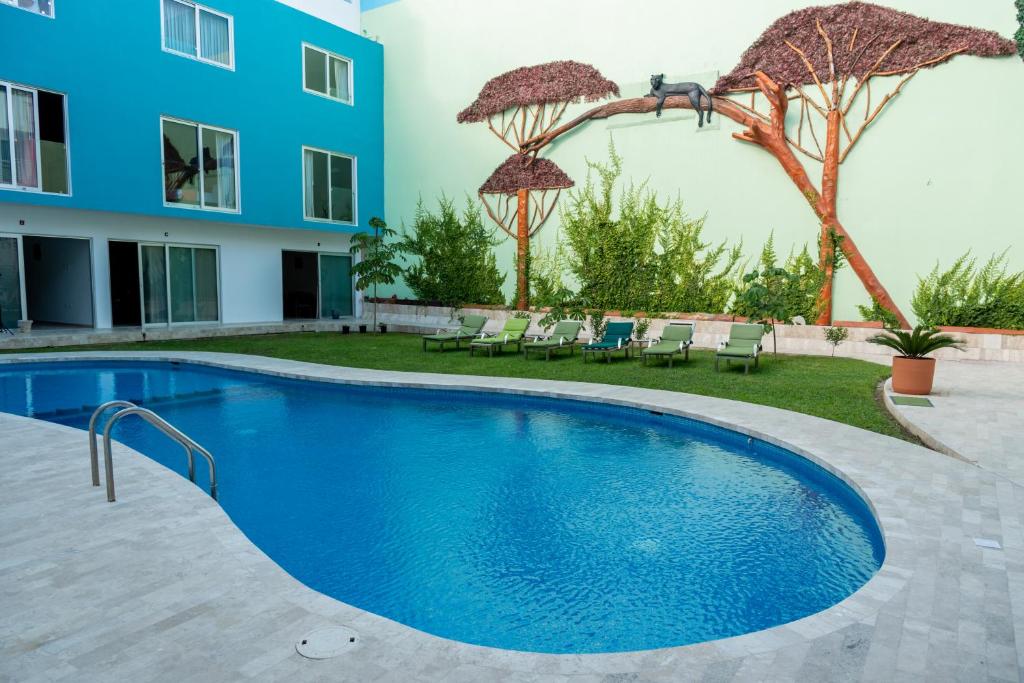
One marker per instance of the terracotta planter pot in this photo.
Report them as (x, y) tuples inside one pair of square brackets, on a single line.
[(912, 375)]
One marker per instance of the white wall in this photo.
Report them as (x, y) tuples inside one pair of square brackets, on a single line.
[(250, 256), (343, 13)]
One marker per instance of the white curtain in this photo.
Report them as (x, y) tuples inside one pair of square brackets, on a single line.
[(6, 171), (180, 27), (226, 170), (339, 79), (25, 143), (219, 169), (214, 38), (307, 175)]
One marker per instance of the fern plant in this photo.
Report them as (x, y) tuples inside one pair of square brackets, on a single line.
[(916, 343), (966, 295)]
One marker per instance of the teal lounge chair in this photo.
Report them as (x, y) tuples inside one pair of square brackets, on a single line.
[(617, 337), (470, 329), (512, 333), (674, 339), (562, 337), (744, 344)]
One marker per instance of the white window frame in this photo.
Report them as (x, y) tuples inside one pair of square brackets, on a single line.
[(230, 66), (38, 188), (351, 101), (199, 139), (355, 186), (51, 15)]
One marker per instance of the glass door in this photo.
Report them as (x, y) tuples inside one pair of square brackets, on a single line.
[(11, 290), (179, 284), (153, 264), (335, 285)]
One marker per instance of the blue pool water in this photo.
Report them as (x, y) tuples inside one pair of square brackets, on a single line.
[(519, 523)]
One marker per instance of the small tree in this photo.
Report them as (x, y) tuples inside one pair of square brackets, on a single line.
[(377, 256), (836, 336), (764, 299), (455, 263)]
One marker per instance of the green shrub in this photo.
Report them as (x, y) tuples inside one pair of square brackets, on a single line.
[(1020, 31), (876, 312), (836, 336), (456, 263), (636, 253), (968, 296), (797, 283)]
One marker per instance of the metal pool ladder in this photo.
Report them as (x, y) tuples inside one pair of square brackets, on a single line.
[(129, 408)]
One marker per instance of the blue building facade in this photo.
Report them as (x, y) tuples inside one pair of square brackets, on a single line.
[(246, 131)]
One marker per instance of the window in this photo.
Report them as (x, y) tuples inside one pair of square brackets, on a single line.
[(329, 186), (213, 184), (327, 74), (33, 140), (198, 32), (44, 7)]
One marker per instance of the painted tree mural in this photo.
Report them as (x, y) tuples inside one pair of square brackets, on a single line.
[(843, 65), (518, 106), (532, 187)]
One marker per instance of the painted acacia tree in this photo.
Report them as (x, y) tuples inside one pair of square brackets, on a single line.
[(517, 106), (826, 59), (532, 186)]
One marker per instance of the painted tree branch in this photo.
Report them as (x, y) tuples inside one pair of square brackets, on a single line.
[(770, 135)]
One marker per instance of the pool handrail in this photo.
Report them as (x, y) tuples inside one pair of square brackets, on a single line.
[(169, 430)]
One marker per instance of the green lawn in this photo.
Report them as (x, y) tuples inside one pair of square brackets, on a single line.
[(835, 388)]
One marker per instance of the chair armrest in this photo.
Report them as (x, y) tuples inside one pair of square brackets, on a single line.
[(722, 345)]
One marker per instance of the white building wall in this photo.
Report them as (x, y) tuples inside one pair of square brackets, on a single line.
[(250, 256), (343, 13)]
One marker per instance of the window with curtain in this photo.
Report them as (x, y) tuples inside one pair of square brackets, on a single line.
[(33, 139), (44, 7), (327, 74), (196, 31), (200, 166), (329, 186)]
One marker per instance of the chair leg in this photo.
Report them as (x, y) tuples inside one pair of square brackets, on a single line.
[(746, 367), (670, 362), (716, 363)]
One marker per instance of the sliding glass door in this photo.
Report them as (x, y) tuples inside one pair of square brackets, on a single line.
[(11, 310), (179, 284), (335, 285)]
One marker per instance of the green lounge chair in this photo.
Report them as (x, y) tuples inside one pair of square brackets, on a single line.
[(470, 329), (512, 333), (617, 337), (674, 339), (562, 337), (744, 344)]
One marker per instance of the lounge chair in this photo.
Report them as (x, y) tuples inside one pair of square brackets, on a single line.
[(744, 344), (562, 337), (674, 339), (512, 333), (617, 337), (470, 329)]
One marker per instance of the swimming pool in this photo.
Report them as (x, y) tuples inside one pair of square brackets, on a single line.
[(519, 523)]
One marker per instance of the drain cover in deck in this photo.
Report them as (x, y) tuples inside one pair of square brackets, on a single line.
[(911, 401), (325, 643)]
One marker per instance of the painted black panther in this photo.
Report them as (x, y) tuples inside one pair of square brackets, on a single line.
[(661, 90)]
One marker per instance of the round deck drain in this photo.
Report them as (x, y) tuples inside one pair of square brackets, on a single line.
[(325, 643)]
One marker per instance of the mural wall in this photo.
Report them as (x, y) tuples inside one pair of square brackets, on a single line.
[(937, 174)]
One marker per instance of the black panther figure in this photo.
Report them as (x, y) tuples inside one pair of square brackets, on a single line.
[(661, 90)]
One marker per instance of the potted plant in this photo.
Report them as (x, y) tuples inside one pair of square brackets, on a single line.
[(912, 372)]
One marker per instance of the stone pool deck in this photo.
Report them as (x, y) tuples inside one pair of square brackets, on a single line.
[(977, 415), (162, 586)]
